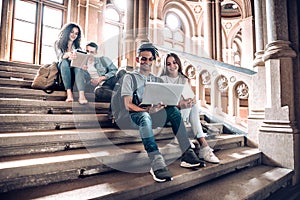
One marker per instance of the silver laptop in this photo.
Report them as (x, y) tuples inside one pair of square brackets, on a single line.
[(166, 93)]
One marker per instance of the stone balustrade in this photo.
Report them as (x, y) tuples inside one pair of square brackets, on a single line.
[(222, 90)]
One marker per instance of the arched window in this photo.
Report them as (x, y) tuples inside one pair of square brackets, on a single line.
[(36, 24), (121, 4), (230, 9), (237, 49), (112, 15), (173, 32), (113, 28), (241, 107)]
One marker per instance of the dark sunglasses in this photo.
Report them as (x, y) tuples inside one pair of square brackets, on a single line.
[(145, 59)]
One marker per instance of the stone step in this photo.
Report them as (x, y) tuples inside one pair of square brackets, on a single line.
[(128, 185), (42, 122), (33, 106), (60, 140), (15, 83), (20, 69), (257, 182), (24, 171), (23, 143), (28, 93), (18, 65), (17, 75)]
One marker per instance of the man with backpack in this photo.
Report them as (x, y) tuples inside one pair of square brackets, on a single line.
[(100, 72), (145, 118)]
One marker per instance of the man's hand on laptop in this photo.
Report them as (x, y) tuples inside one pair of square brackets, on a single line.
[(156, 108)]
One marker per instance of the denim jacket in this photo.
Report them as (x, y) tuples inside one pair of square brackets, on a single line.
[(105, 67)]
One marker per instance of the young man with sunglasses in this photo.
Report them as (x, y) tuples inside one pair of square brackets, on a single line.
[(155, 116)]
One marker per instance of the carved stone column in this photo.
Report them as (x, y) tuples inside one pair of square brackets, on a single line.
[(259, 31), (257, 99), (247, 44), (278, 136), (143, 22), (6, 28), (219, 55), (208, 34), (129, 35)]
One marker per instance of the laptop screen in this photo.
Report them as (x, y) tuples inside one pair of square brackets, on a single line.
[(166, 93)]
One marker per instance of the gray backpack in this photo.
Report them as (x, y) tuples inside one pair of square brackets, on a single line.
[(120, 115)]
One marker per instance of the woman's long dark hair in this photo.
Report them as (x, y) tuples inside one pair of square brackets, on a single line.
[(64, 35), (177, 59)]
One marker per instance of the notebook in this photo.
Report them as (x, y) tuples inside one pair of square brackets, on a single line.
[(81, 59), (166, 93)]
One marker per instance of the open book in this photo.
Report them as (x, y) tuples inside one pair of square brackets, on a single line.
[(82, 58), (166, 93)]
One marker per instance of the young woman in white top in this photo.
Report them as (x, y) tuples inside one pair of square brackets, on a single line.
[(65, 47), (172, 73)]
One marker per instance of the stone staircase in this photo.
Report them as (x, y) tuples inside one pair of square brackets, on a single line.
[(50, 149)]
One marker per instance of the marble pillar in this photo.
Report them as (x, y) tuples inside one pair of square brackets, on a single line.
[(278, 135), (208, 30), (143, 22), (129, 34), (257, 98), (218, 26)]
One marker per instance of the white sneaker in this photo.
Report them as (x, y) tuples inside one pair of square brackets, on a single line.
[(207, 154)]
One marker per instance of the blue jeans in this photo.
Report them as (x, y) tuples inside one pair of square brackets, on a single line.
[(146, 122), (69, 73)]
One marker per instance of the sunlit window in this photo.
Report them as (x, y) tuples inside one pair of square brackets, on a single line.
[(51, 27), (121, 4), (173, 33), (34, 34), (58, 1), (230, 9), (114, 25), (23, 41), (111, 41), (112, 14), (173, 21)]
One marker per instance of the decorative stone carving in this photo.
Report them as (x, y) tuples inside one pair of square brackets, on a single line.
[(222, 83), (258, 61), (228, 25), (190, 72), (242, 91), (206, 79), (278, 49), (232, 79)]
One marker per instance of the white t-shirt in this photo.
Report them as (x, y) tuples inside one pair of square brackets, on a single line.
[(92, 70)]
